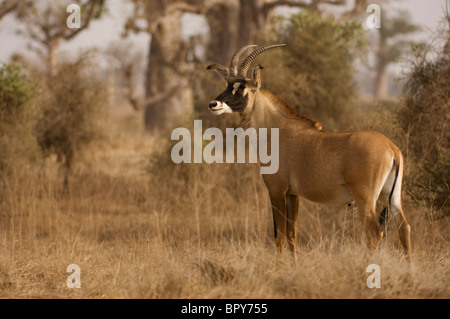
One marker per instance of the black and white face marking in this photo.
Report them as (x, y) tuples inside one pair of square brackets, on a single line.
[(233, 99), (236, 87), (217, 107)]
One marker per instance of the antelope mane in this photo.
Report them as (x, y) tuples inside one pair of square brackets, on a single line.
[(289, 112)]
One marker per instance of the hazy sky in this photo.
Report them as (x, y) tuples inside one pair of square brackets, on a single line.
[(426, 13)]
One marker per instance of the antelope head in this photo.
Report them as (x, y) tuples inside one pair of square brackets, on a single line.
[(240, 92)]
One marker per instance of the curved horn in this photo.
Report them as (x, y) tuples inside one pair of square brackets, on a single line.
[(249, 59), (235, 59)]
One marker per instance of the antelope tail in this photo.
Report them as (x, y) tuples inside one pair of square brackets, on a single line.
[(382, 219)]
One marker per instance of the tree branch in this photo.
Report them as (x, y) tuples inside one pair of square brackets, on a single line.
[(154, 99), (290, 3), (359, 8), (13, 6), (185, 7), (96, 6), (301, 4), (8, 6), (333, 2)]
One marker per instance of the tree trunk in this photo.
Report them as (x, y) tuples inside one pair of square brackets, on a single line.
[(168, 89), (52, 50), (380, 89), (234, 24), (251, 21), (224, 31)]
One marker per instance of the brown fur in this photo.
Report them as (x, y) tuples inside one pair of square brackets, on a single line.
[(327, 167)]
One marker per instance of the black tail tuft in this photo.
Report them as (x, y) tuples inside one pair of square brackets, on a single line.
[(274, 228), (383, 218)]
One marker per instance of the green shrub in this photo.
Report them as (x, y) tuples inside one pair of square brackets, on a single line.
[(16, 89), (17, 142)]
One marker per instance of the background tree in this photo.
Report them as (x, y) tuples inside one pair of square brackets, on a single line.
[(167, 82), (314, 72), (232, 23), (236, 23), (45, 24), (10, 6), (127, 64), (391, 46), (72, 103), (69, 101)]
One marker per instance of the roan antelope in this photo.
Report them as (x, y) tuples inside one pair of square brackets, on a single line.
[(325, 167)]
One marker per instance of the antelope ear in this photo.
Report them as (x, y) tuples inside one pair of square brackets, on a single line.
[(222, 70), (257, 76)]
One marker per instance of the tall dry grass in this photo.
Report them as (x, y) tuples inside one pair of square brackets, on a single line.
[(146, 229)]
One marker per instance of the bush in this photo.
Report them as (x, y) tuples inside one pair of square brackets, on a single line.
[(71, 109), (17, 143), (376, 115), (425, 118), (16, 89)]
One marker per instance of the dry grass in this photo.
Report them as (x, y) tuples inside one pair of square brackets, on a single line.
[(191, 232)]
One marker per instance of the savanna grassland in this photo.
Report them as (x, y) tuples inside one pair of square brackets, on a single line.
[(141, 227), (82, 182)]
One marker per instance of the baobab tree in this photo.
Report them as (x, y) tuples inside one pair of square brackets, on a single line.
[(167, 89), (232, 23)]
